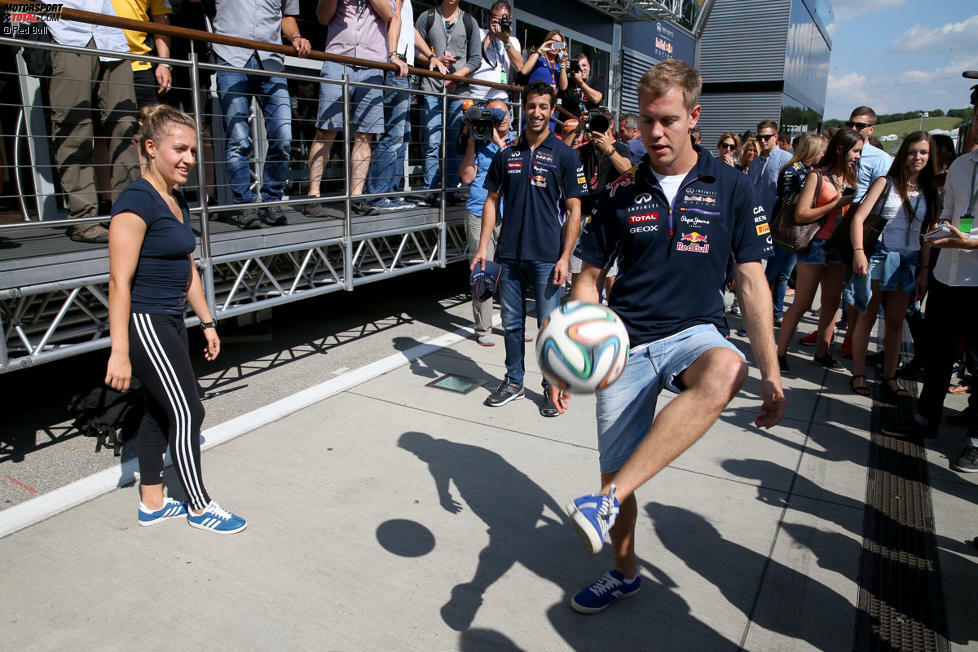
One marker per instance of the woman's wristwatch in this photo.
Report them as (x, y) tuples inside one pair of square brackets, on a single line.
[(208, 324)]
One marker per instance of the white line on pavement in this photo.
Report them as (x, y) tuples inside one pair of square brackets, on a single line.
[(64, 498)]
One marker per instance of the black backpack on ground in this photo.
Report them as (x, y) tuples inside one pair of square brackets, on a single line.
[(110, 416)]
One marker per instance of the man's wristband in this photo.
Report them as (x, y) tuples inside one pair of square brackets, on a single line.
[(208, 324), (294, 37), (165, 65), (858, 249), (392, 54)]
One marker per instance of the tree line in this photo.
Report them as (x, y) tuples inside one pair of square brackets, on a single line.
[(965, 114)]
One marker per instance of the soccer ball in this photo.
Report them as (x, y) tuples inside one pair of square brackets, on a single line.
[(582, 347)]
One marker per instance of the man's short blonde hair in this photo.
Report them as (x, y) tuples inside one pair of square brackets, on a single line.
[(669, 74)]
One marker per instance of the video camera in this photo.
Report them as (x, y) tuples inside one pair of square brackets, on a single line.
[(482, 122)]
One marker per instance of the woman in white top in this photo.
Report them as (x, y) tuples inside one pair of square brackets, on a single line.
[(894, 264)]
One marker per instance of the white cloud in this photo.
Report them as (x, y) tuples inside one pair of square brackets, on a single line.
[(848, 9), (939, 88), (952, 36)]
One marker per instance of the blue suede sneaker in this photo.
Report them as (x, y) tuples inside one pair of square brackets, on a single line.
[(592, 516), (609, 588), (170, 509), (216, 519)]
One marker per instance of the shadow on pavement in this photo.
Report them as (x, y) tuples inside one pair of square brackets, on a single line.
[(527, 526)]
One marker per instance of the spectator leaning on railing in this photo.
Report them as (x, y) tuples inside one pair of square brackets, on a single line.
[(149, 85), (74, 78), (453, 37), (579, 97), (387, 163), (354, 29), (256, 20)]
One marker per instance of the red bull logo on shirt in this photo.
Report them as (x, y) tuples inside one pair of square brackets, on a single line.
[(694, 242), (626, 179)]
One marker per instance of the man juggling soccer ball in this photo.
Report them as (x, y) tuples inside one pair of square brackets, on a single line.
[(673, 222)]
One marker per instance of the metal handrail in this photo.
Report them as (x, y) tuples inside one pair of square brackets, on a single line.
[(221, 39)]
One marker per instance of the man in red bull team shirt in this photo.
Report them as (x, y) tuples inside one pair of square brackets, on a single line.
[(673, 223)]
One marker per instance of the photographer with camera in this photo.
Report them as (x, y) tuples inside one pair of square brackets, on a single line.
[(501, 53), (578, 97), (548, 63), (487, 129), (603, 159)]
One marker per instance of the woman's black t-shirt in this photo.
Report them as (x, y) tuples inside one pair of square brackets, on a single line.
[(162, 276)]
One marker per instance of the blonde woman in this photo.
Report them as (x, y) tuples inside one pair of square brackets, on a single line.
[(751, 150), (152, 278), (548, 63)]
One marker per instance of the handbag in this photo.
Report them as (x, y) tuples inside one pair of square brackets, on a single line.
[(785, 231), (840, 244)]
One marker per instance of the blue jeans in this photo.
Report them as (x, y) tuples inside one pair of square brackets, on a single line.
[(387, 164), (432, 149), (235, 90), (778, 272), (516, 276), (625, 409)]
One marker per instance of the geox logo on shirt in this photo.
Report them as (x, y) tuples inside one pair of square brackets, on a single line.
[(642, 217), (695, 242)]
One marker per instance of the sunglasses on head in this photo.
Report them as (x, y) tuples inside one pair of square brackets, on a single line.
[(763, 137), (727, 146), (858, 125)]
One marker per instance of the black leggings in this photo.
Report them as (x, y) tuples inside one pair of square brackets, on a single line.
[(160, 357)]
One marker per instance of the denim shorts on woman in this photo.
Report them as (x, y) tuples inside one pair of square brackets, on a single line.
[(816, 254), (626, 408)]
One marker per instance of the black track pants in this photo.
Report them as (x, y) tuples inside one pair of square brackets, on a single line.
[(160, 357)]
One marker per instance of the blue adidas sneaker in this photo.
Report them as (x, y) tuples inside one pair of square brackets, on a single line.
[(216, 519), (170, 509), (609, 588), (592, 516)]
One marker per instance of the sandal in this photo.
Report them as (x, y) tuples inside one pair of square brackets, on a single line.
[(893, 394), (862, 390)]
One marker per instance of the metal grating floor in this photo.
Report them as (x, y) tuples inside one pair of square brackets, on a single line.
[(901, 603)]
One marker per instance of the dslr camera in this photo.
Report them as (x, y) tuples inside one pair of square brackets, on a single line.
[(505, 24), (575, 66), (596, 121), (482, 122)]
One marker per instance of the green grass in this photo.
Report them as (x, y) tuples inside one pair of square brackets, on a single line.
[(904, 127)]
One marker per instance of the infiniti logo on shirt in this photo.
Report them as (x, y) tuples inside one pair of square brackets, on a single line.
[(644, 198)]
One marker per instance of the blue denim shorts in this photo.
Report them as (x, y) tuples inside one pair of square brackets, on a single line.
[(366, 104), (816, 254), (626, 408), (895, 271)]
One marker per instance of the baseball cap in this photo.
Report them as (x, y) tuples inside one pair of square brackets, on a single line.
[(484, 281)]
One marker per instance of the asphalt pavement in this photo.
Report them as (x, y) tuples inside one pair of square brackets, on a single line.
[(394, 514)]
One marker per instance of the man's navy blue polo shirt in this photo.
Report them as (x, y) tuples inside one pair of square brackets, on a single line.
[(532, 183), (672, 260)]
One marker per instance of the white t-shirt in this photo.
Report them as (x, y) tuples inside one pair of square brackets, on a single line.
[(405, 40), (670, 184), (495, 68), (901, 233)]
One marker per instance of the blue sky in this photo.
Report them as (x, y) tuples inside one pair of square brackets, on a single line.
[(901, 55)]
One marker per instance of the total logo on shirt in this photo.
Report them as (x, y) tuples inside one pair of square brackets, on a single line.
[(694, 242)]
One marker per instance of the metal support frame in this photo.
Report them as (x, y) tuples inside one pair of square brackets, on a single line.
[(58, 319)]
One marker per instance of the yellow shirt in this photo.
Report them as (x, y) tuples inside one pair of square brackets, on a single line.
[(140, 10)]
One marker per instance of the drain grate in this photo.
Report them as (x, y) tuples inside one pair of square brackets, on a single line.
[(901, 603)]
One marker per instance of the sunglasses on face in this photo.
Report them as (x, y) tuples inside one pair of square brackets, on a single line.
[(858, 126), (727, 146), (764, 137)]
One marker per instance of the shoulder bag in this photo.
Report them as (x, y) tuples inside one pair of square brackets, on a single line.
[(785, 231), (840, 244)]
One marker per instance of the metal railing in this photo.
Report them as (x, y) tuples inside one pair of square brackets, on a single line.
[(54, 304)]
